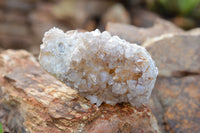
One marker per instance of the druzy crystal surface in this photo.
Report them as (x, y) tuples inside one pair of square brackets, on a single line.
[(101, 67)]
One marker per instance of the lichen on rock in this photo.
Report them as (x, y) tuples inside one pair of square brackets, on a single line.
[(101, 67)]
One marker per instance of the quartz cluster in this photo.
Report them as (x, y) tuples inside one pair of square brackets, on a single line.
[(101, 67)]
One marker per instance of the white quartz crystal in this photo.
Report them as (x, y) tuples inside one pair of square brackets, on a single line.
[(101, 67)]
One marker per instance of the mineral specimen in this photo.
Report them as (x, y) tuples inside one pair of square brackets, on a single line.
[(101, 67)]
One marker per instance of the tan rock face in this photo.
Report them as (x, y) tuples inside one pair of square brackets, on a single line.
[(184, 114), (116, 13), (139, 35), (175, 55), (103, 68), (179, 99), (143, 18), (37, 102)]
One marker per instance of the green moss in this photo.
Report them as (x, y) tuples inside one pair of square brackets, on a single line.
[(1, 128), (179, 7)]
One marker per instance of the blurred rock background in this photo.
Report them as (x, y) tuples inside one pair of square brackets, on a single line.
[(167, 28), (23, 22)]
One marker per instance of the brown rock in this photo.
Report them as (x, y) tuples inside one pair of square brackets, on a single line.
[(78, 12), (138, 35), (15, 17), (185, 23), (15, 41), (15, 31), (184, 115), (158, 111), (167, 90), (37, 102), (95, 7), (143, 18), (90, 25), (116, 13), (23, 22), (3, 115), (164, 95), (175, 54), (17, 5), (176, 101)]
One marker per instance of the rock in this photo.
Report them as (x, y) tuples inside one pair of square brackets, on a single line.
[(158, 110), (167, 90), (23, 22), (14, 17), (143, 18), (185, 23), (18, 5), (176, 101), (195, 31), (90, 25), (3, 115), (15, 41), (96, 7), (175, 54), (11, 22), (37, 102), (116, 13), (164, 94), (15, 29), (70, 10), (78, 12), (139, 35), (184, 115)]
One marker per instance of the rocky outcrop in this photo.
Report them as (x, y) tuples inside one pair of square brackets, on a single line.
[(175, 54), (37, 102), (139, 35), (176, 101)]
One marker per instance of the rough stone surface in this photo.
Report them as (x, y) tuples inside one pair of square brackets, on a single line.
[(158, 110), (101, 67), (175, 54), (175, 103), (164, 94), (3, 115), (184, 115), (36, 102), (139, 35)]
